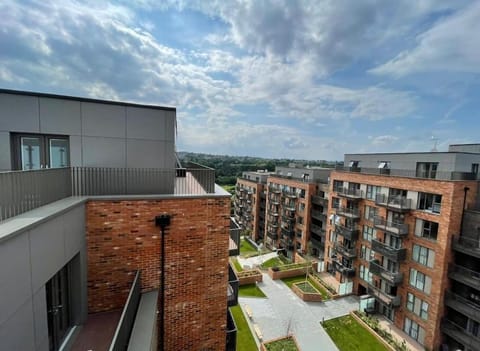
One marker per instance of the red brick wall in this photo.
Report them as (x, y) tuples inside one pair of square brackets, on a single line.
[(122, 237)]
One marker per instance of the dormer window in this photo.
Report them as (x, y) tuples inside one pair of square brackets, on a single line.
[(353, 164), (384, 165)]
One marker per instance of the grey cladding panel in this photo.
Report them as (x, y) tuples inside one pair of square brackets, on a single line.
[(40, 317), (103, 152), (170, 122), (103, 120), (47, 251), (5, 164), (17, 333), (14, 263), (19, 113), (75, 151), (74, 227), (143, 123), (60, 117), (146, 153)]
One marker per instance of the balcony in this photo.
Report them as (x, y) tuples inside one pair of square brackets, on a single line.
[(317, 230), (287, 243), (290, 207), (272, 234), (290, 194), (353, 213), (464, 305), (441, 175), (232, 291), (394, 228), (318, 200), (460, 334), (397, 255), (383, 297), (274, 190), (319, 215), (22, 191), (231, 337), (273, 211), (393, 278), (464, 275), (345, 251), (339, 267), (394, 203), (469, 246), (287, 233), (274, 200), (353, 194), (234, 240), (349, 233)]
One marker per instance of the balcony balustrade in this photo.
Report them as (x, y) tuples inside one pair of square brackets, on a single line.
[(232, 292), (319, 200), (350, 233), (465, 275), (348, 212), (461, 334), (274, 190), (394, 278), (345, 270), (317, 230), (469, 246), (353, 194), (290, 194), (319, 215), (395, 254), (384, 297), (344, 250), (465, 305), (395, 228), (394, 203), (289, 207)]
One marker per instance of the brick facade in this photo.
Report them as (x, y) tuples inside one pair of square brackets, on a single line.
[(449, 224), (122, 237)]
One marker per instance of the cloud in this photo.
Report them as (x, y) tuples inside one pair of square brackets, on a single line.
[(451, 45), (383, 140)]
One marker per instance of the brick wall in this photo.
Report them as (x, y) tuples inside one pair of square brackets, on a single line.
[(122, 237)]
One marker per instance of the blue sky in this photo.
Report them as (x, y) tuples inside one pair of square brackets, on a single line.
[(298, 79)]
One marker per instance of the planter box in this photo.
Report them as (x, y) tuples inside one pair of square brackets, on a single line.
[(306, 296), (294, 272), (319, 282), (264, 348), (249, 277), (373, 332)]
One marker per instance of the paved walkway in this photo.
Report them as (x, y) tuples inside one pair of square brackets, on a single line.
[(256, 260), (283, 312)]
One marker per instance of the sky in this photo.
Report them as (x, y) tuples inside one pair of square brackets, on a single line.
[(284, 78)]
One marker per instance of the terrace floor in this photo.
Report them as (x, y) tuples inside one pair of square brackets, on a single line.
[(98, 332)]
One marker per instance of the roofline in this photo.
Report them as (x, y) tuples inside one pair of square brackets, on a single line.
[(83, 99), (416, 153), (464, 144)]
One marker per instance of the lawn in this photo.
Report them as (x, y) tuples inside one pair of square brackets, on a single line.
[(247, 249), (274, 262), (245, 340), (349, 335), (282, 345), (237, 265), (250, 290), (301, 278)]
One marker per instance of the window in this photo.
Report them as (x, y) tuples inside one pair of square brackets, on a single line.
[(300, 220), (372, 191), (36, 151), (417, 306), (423, 255), (353, 164), (420, 281), (414, 330), (369, 233), (370, 212), (365, 274), (384, 164), (475, 169), (426, 229), (427, 169), (335, 202), (429, 202), (301, 207), (366, 253), (337, 185)]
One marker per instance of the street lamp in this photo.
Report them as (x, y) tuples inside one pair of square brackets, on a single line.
[(162, 221)]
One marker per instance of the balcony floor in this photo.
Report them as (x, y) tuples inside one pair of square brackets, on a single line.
[(97, 333), (399, 334)]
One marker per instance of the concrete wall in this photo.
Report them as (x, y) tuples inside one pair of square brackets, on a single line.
[(27, 261), (314, 174), (465, 148), (101, 134)]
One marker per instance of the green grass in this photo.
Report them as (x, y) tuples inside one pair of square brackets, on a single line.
[(306, 287), (246, 248), (245, 340), (282, 345), (237, 265), (275, 262), (229, 188), (349, 335), (301, 278), (250, 290)]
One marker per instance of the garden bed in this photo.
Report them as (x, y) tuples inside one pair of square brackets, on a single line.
[(288, 270), (250, 290), (250, 276), (330, 291), (284, 344), (306, 291)]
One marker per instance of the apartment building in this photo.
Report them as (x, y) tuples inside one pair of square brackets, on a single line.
[(393, 237), (250, 203), (297, 210), (106, 242)]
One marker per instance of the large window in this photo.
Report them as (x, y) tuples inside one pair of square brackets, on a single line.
[(427, 169), (414, 330), (423, 255), (370, 212), (366, 253), (426, 229), (365, 274), (337, 185), (420, 281), (369, 233), (429, 202), (417, 306), (372, 191), (36, 151)]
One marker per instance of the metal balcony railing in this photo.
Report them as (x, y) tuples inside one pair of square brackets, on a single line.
[(231, 333), (289, 207), (344, 250), (395, 254), (319, 200), (464, 305), (397, 229), (274, 190), (289, 194), (317, 229), (234, 240), (350, 193), (345, 270), (465, 275), (470, 246), (395, 203), (350, 233), (232, 291), (348, 212), (384, 297), (319, 215), (460, 333), (394, 278)]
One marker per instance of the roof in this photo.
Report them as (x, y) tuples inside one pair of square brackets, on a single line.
[(83, 99)]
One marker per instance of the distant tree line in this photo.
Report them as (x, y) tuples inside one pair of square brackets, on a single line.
[(228, 168)]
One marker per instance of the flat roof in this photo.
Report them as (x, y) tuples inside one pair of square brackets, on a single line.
[(83, 99)]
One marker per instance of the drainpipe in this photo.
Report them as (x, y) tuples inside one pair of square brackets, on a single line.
[(465, 190), (162, 221)]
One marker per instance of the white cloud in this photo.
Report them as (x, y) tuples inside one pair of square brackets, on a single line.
[(383, 140), (451, 45)]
